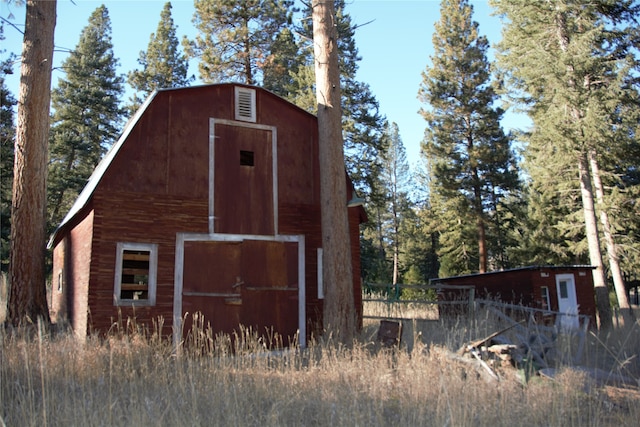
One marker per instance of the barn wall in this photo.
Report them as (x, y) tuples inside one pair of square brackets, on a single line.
[(58, 309), (139, 218), (157, 186), (72, 262), (305, 219), (354, 231), (298, 165)]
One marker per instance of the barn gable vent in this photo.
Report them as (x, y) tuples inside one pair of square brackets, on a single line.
[(245, 104)]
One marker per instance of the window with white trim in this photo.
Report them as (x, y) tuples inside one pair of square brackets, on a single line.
[(546, 302), (135, 276)]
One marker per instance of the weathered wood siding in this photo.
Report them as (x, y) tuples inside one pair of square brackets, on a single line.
[(146, 218), (72, 266)]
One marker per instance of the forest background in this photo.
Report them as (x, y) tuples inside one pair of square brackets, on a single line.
[(419, 226)]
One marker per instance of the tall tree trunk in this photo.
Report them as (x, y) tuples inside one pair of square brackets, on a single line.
[(396, 272), (612, 250), (28, 298), (591, 226), (247, 54), (481, 228), (482, 246), (396, 245), (339, 307)]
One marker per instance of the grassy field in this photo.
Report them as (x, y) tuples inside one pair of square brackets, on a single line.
[(136, 378)]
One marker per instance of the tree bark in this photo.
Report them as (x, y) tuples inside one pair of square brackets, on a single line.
[(595, 255), (480, 224), (28, 299), (612, 250), (482, 245), (396, 244), (339, 315)]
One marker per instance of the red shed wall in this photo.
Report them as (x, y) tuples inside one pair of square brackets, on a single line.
[(524, 286), (507, 286), (583, 278)]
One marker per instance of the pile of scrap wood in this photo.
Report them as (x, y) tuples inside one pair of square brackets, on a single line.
[(495, 355)]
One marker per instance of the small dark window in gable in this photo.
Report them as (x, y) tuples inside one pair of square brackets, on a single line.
[(246, 158)]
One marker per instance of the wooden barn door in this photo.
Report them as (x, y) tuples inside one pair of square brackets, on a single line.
[(270, 292), (249, 282), (210, 271), (243, 180)]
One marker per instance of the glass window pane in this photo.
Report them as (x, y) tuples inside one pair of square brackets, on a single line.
[(563, 289)]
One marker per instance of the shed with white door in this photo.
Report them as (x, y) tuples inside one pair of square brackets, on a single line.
[(564, 289)]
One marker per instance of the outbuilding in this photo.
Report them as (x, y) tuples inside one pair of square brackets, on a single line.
[(564, 289), (208, 203)]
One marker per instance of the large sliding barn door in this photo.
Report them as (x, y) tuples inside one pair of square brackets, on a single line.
[(249, 282)]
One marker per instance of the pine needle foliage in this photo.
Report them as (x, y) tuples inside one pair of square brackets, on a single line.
[(7, 135), (164, 65), (87, 115), (236, 39)]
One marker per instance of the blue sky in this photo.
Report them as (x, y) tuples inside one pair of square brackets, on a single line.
[(395, 46)]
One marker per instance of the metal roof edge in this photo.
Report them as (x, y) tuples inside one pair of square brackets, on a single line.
[(529, 267), (98, 172)]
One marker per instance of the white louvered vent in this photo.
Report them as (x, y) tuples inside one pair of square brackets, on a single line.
[(245, 104)]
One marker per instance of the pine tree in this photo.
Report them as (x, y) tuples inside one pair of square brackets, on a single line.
[(28, 297), (389, 211), (468, 153), (548, 195), (236, 39), (622, 188), (396, 176), (283, 65), (575, 90), (7, 135), (421, 247), (87, 117), (456, 228), (163, 64), (339, 315), (422, 237)]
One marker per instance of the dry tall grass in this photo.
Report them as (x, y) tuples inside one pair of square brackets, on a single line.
[(137, 379)]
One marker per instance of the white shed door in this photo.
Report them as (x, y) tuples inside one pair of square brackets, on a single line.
[(567, 300)]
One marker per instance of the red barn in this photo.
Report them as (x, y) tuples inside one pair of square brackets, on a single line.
[(565, 289), (209, 203)]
